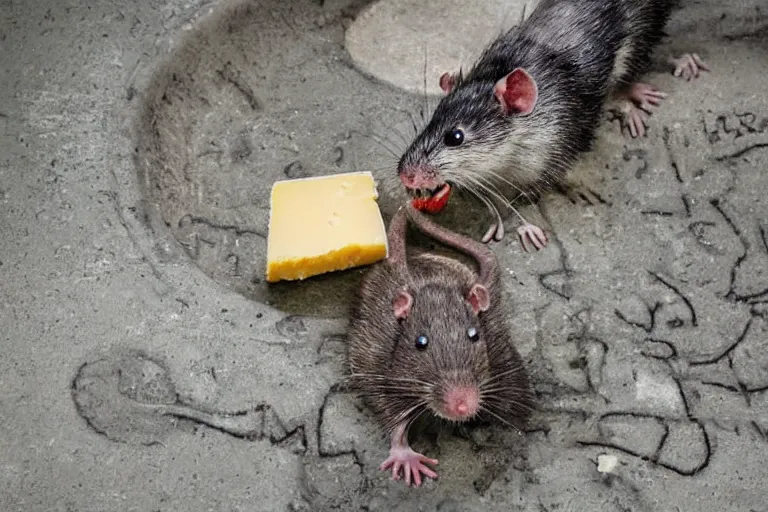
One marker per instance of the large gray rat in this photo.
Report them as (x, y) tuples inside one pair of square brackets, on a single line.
[(530, 106), (429, 335)]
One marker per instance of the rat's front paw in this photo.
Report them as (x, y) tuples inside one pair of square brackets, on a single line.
[(412, 464), (495, 232), (644, 95), (688, 66), (635, 118), (533, 236)]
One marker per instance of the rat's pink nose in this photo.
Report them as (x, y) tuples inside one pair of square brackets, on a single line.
[(461, 403), (411, 179), (414, 177)]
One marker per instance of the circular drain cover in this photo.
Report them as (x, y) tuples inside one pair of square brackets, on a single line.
[(251, 96), (425, 39)]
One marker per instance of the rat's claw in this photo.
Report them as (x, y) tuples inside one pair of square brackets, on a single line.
[(645, 95), (490, 234), (636, 121), (499, 232), (637, 102), (689, 66), (495, 232), (393, 463), (636, 124), (700, 63), (389, 463), (533, 235), (407, 472), (654, 97), (418, 468), (413, 465)]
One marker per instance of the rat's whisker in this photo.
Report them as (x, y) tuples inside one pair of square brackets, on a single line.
[(466, 183), (519, 190), (418, 415), (399, 418), (501, 375), (497, 403), (480, 185), (394, 144), (502, 420), (389, 378), (401, 136), (500, 198), (381, 389), (380, 143), (426, 96), (490, 392)]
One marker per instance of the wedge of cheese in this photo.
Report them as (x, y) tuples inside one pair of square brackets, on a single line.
[(324, 224)]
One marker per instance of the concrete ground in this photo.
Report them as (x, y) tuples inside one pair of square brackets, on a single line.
[(147, 367)]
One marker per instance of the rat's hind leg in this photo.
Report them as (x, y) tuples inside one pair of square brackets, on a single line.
[(688, 65), (401, 456), (636, 101)]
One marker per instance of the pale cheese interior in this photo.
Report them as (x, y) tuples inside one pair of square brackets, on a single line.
[(324, 224)]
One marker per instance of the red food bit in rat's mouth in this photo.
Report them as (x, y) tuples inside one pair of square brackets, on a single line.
[(434, 203)]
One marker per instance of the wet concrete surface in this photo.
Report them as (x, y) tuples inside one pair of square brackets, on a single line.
[(147, 366)]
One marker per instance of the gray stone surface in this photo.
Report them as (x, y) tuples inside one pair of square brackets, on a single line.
[(406, 42), (146, 366)]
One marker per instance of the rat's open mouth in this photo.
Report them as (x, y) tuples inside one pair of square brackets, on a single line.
[(431, 200)]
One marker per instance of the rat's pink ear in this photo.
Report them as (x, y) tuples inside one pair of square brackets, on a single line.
[(447, 82), (479, 298), (517, 92), (402, 304)]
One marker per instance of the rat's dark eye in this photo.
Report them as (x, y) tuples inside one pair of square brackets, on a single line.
[(454, 137), (422, 342), (472, 334)]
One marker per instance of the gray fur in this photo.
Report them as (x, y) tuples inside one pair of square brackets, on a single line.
[(578, 52)]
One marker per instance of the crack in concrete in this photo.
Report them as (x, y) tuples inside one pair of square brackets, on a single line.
[(669, 346), (126, 395), (658, 452), (742, 151), (728, 350), (676, 290), (668, 147), (732, 294), (237, 230), (230, 74)]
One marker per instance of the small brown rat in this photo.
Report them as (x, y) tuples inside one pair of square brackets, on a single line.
[(429, 336)]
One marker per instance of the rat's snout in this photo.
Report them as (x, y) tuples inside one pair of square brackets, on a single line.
[(416, 177), (460, 403)]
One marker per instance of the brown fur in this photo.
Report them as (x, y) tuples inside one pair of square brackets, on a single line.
[(399, 381)]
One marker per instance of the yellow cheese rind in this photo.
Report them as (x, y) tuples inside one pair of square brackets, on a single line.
[(324, 224), (349, 257)]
